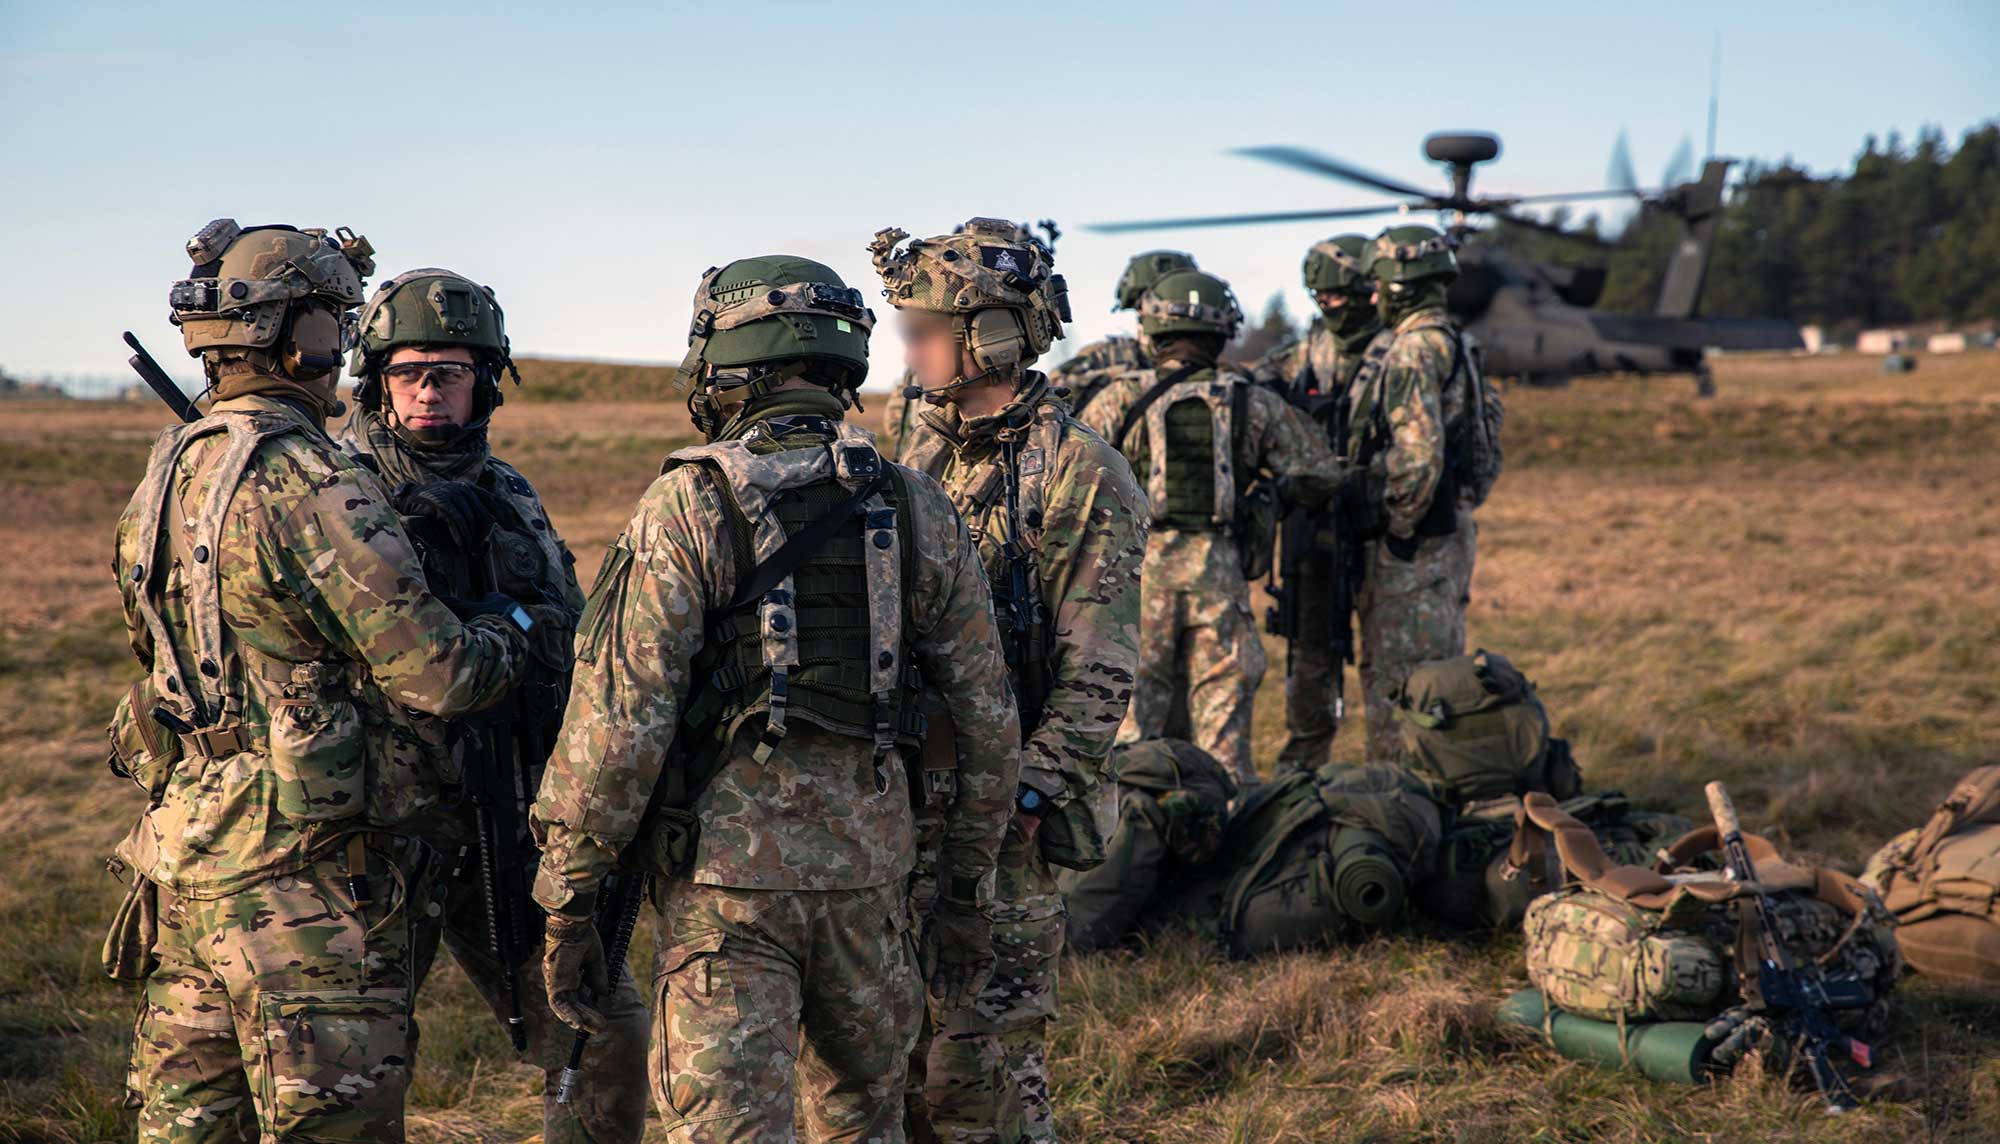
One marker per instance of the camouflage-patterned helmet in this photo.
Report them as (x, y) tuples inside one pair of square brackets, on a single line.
[(1409, 253), (993, 273), (435, 309), (277, 295), (1143, 271), (1190, 302), (1336, 265)]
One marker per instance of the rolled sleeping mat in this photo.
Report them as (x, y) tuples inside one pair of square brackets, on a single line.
[(1671, 1051), (1367, 883)]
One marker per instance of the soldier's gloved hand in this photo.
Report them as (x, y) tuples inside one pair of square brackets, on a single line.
[(1403, 548), (572, 960), (492, 604), (957, 953), (1355, 509), (1737, 1033)]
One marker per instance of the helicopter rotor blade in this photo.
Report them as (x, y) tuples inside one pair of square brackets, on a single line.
[(1312, 162), (1680, 168), (1565, 196), (1620, 173), (1240, 220)]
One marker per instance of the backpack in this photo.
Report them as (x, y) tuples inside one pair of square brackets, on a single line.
[(1474, 888), (1315, 857), (1475, 724), (1626, 943), (1942, 882), (1172, 800)]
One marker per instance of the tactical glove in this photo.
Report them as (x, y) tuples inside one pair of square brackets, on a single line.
[(572, 960), (957, 955)]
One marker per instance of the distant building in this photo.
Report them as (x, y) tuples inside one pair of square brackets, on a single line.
[(1945, 344), (1882, 341), (1814, 339)]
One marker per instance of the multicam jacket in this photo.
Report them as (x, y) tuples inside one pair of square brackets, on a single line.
[(270, 591), (1085, 523)]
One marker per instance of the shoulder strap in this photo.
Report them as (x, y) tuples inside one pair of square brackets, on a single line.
[(1366, 412), (1239, 430), (801, 547), (1138, 409)]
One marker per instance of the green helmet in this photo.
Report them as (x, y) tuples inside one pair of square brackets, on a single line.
[(435, 309), (1336, 264), (1143, 271), (1410, 253), (275, 296), (1189, 302), (761, 321)]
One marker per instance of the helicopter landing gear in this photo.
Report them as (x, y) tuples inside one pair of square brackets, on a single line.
[(1704, 381)]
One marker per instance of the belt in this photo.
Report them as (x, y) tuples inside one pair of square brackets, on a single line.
[(218, 742)]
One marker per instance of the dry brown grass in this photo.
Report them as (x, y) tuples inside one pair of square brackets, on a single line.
[(1792, 587)]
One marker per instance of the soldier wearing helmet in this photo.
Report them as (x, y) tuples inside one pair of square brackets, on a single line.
[(1218, 454), (286, 627), (1091, 368), (1060, 525), (1315, 372), (744, 725), (1424, 428), (432, 349)]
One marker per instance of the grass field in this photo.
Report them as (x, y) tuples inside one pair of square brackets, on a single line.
[(1794, 586)]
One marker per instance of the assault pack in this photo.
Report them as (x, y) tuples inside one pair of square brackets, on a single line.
[(1317, 857), (1795, 953), (1475, 724), (1173, 798), (1195, 429), (1942, 882)]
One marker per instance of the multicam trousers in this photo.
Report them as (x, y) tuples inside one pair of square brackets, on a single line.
[(1410, 611)]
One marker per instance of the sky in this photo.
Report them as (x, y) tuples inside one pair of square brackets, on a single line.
[(589, 161)]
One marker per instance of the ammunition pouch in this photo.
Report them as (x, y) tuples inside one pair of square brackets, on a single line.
[(141, 748), (128, 945)]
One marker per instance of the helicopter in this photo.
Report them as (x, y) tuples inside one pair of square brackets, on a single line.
[(1535, 320)]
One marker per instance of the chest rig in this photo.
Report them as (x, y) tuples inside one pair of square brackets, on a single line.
[(821, 537), (1194, 424)]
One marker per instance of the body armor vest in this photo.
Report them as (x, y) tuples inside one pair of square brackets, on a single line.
[(1192, 429), (825, 644)]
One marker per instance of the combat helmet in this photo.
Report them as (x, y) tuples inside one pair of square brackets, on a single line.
[(1143, 271), (435, 309), (1336, 265), (759, 322), (993, 276), (275, 297), (1411, 253), (1190, 302)]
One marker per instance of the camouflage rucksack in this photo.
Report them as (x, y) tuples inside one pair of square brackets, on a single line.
[(1627, 943), (1474, 887), (1172, 800), (1474, 723), (1942, 881), (1315, 857)]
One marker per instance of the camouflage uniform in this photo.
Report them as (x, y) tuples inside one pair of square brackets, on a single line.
[(532, 564), (900, 422), (283, 619), (781, 897), (985, 1076), (1201, 656), (1091, 368)]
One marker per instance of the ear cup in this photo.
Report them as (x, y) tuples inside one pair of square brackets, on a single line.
[(997, 339), (311, 344)]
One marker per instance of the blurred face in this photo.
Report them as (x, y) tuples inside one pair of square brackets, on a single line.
[(430, 388), (931, 348)]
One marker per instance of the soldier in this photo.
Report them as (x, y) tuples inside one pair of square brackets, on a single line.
[(433, 346), (1200, 436), (1091, 368), (1060, 524), (750, 658), (282, 615), (1424, 426), (1315, 374)]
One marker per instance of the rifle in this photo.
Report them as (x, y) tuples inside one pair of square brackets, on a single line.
[(494, 760), (1027, 617), (618, 909), (1796, 999), (156, 379), (1299, 539)]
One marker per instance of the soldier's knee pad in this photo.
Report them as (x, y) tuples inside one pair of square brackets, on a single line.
[(333, 1065)]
